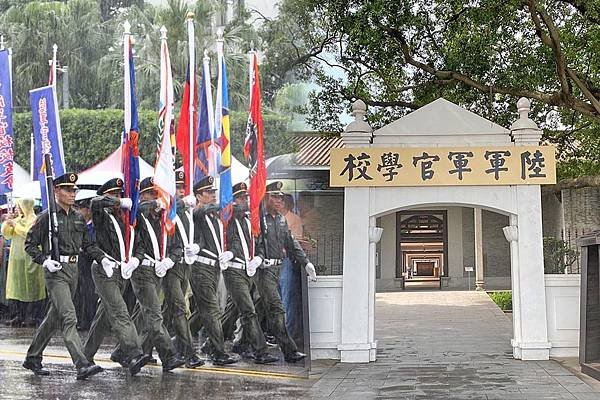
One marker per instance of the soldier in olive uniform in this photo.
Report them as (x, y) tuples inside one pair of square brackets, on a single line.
[(61, 277), (175, 283), (278, 243), (110, 283), (208, 235), (239, 284), (153, 254)]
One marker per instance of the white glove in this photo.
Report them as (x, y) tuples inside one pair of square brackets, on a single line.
[(52, 266), (189, 201), (191, 250), (225, 256), (253, 265), (168, 263), (128, 267), (126, 203), (108, 266), (160, 269), (312, 273)]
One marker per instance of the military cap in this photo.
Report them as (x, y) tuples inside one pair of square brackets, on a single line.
[(146, 184), (206, 183), (239, 189), (179, 177), (68, 179), (110, 186), (274, 188)]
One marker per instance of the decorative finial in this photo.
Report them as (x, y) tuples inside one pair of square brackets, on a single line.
[(55, 47), (220, 33), (163, 32), (1, 42), (206, 54), (523, 107), (359, 109), (252, 45), (127, 27), (190, 15)]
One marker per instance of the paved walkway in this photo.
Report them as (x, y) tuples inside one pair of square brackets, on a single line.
[(446, 345)]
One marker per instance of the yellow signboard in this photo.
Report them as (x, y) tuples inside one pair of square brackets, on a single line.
[(437, 166)]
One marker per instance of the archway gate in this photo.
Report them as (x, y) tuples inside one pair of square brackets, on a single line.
[(413, 162)]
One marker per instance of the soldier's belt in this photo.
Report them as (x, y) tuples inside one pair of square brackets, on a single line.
[(69, 259), (206, 260), (271, 262), (237, 265)]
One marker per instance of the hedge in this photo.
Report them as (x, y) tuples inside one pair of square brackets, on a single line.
[(89, 136)]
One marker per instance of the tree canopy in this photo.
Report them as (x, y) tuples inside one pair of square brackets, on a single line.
[(484, 54)]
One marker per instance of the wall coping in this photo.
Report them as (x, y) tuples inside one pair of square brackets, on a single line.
[(325, 281), (555, 280)]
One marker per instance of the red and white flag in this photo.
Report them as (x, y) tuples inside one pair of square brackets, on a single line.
[(164, 168), (254, 148)]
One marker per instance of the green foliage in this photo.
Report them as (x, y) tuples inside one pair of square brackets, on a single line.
[(89, 38), (502, 299), (558, 256), (482, 55), (89, 136)]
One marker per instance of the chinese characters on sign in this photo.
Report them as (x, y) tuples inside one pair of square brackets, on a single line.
[(511, 165)]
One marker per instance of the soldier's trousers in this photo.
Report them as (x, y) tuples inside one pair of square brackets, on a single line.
[(146, 286), (239, 285), (61, 286), (204, 280), (175, 284), (112, 315), (267, 282)]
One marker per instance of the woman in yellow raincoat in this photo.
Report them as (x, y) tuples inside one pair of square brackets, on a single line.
[(25, 279)]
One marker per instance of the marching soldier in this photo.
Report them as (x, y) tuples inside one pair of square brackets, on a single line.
[(110, 283), (175, 283), (61, 277), (278, 242), (239, 284), (208, 236), (148, 266)]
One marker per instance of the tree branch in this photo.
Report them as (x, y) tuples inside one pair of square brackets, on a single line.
[(553, 41), (553, 99)]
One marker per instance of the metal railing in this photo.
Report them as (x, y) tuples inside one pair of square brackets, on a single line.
[(326, 252)]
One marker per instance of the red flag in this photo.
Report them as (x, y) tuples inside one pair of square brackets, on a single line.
[(254, 149), (183, 129)]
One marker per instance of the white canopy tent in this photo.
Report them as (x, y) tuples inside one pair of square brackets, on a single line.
[(23, 186), (106, 169), (110, 168)]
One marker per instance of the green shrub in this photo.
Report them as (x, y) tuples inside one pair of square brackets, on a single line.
[(89, 136), (502, 299)]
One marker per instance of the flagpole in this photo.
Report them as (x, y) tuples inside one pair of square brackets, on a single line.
[(192, 69), (53, 66), (126, 132)]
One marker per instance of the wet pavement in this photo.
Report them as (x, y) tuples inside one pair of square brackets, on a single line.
[(447, 345), (431, 345), (243, 380)]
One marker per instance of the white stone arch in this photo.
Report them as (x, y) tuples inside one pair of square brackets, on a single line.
[(442, 123)]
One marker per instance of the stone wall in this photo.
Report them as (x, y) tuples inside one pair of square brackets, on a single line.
[(496, 249)]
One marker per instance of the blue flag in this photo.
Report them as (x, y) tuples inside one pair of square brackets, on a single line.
[(130, 162), (47, 136), (6, 127)]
